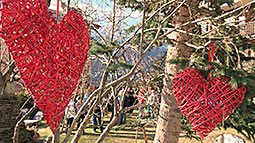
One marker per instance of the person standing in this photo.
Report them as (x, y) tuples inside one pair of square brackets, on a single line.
[(70, 113), (141, 99), (111, 106), (96, 120), (158, 95), (131, 100), (122, 116), (96, 117), (86, 96), (148, 94), (78, 105), (152, 101)]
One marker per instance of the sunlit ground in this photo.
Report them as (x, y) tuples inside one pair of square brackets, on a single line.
[(128, 135)]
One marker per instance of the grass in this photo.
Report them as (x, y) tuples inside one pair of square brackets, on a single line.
[(127, 135)]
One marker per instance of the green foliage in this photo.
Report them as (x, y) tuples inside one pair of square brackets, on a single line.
[(132, 124), (243, 119), (226, 63), (98, 48), (179, 61), (187, 131), (115, 66), (106, 50), (131, 29)]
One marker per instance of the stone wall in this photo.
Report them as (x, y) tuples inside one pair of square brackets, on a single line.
[(9, 110)]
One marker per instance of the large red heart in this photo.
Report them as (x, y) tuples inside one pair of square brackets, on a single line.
[(205, 104), (49, 55)]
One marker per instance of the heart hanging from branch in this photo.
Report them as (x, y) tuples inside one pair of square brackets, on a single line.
[(205, 104), (50, 56)]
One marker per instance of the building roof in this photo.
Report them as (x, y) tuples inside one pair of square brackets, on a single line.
[(236, 4)]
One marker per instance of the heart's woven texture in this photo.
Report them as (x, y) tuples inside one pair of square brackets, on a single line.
[(205, 104), (50, 56)]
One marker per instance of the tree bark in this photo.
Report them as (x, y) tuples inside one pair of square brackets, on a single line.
[(56, 137), (169, 122), (16, 129), (108, 129), (85, 77), (48, 2)]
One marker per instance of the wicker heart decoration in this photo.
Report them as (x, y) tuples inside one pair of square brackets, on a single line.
[(205, 104), (49, 55)]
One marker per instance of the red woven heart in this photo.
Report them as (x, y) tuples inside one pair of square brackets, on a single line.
[(205, 104), (49, 55)]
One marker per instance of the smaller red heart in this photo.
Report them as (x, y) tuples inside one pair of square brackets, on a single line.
[(205, 104)]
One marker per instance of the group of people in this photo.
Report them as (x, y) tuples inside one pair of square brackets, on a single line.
[(151, 97), (75, 105), (148, 98)]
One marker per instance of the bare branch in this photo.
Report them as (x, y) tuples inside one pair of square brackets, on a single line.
[(147, 20), (16, 129), (113, 19), (173, 12), (93, 28), (23, 107), (235, 10), (142, 27), (238, 55)]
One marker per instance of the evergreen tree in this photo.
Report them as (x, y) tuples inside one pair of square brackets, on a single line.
[(185, 51)]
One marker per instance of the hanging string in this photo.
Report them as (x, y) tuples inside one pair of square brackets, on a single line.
[(211, 47), (57, 9)]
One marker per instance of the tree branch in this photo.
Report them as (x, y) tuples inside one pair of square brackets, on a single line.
[(147, 20), (113, 19), (23, 107), (142, 27), (16, 129), (173, 12)]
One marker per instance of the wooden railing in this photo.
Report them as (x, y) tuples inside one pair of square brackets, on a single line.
[(249, 28)]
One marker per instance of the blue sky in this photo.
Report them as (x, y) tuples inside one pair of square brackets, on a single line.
[(104, 5)]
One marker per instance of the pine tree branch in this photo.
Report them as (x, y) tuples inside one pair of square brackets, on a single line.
[(173, 12), (231, 58), (146, 21), (239, 66), (123, 78), (93, 28)]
